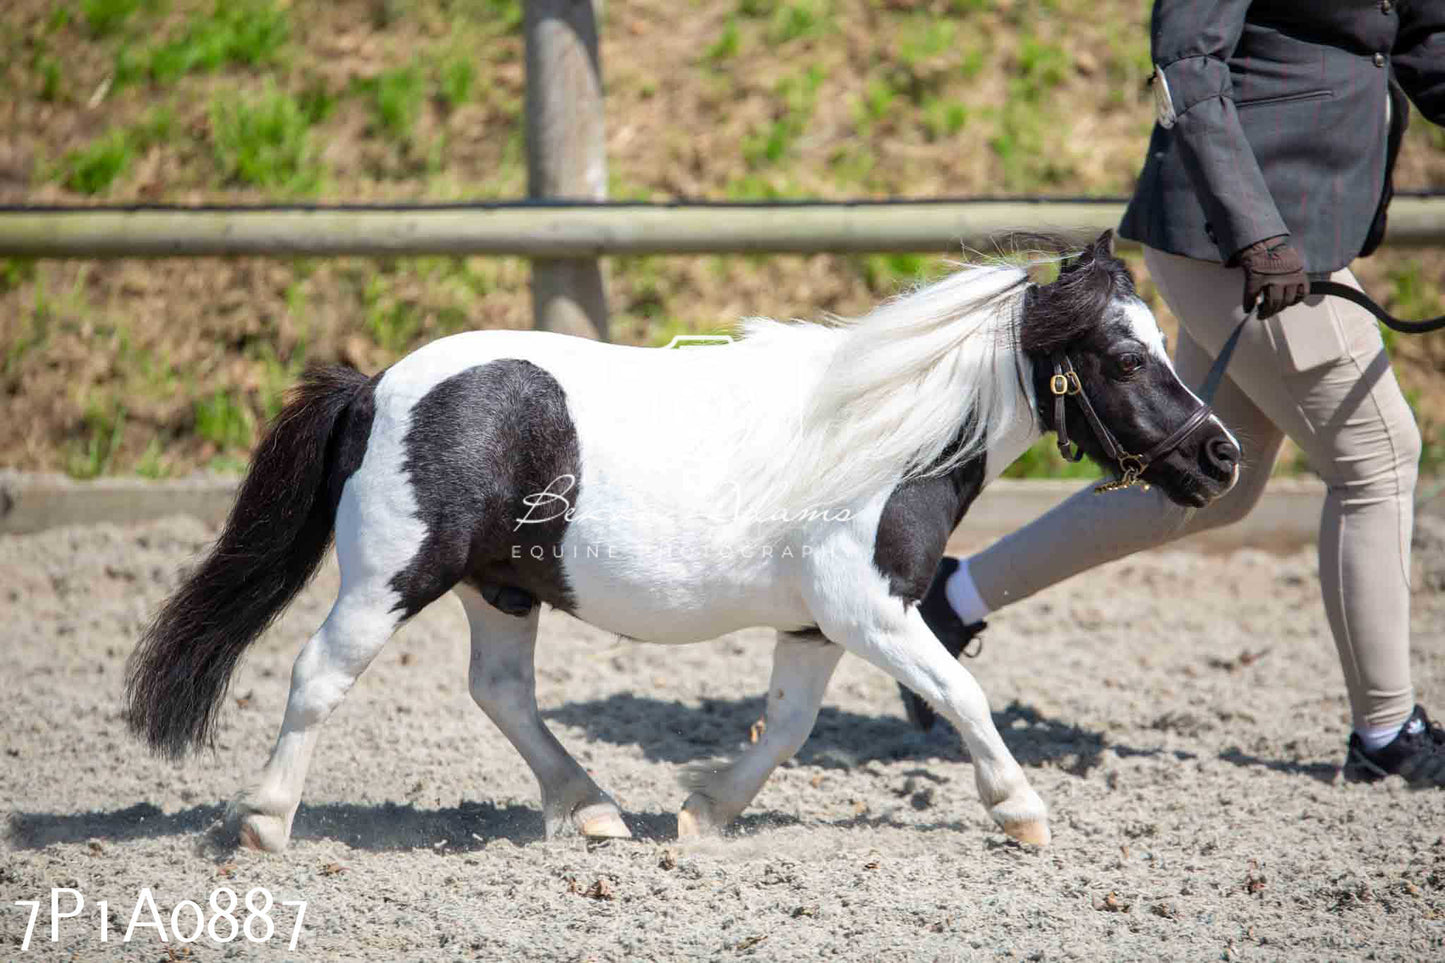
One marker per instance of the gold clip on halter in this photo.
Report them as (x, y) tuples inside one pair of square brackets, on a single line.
[(1132, 468)]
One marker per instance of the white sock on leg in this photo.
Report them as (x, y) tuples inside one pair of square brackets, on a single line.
[(963, 595), (1374, 739)]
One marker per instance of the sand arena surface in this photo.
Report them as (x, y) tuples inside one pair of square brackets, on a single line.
[(1182, 716)]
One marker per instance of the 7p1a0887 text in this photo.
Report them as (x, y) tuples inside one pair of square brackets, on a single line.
[(224, 918)]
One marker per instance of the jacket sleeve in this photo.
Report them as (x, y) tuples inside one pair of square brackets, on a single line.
[(1419, 57), (1191, 42)]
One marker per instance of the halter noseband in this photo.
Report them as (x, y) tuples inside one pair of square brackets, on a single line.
[(1065, 382)]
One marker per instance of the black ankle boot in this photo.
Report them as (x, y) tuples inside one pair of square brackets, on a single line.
[(1417, 754)]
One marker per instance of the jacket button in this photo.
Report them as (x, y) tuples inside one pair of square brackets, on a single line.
[(1379, 60)]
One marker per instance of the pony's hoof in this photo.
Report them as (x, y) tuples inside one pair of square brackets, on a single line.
[(601, 821), (1022, 815), (262, 832), (1034, 832), (695, 819)]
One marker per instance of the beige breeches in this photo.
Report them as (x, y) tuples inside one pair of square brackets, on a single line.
[(1317, 373)]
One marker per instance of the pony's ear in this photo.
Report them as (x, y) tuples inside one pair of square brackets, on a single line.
[(1071, 264), (1102, 248)]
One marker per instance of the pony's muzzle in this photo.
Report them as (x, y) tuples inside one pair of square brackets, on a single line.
[(1219, 456)]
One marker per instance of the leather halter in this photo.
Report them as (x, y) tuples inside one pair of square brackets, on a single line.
[(1065, 382)]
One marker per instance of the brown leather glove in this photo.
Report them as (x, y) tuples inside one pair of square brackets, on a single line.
[(1274, 275)]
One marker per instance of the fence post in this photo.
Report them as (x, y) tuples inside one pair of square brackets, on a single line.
[(566, 153)]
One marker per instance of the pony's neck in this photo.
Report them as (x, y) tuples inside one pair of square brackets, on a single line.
[(913, 388)]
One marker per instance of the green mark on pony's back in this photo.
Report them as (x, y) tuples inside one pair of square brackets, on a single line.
[(698, 340)]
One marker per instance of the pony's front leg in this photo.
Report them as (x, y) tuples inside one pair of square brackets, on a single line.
[(504, 685), (802, 665), (893, 636)]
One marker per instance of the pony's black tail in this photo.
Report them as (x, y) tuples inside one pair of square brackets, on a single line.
[(276, 536)]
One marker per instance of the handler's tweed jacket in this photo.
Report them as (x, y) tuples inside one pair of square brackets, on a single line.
[(1281, 122)]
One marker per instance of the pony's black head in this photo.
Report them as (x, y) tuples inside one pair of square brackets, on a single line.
[(1092, 320)]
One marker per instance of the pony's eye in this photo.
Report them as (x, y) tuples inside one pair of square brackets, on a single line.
[(1131, 362)]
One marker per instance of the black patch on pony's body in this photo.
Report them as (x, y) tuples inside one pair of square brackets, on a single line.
[(917, 519), (479, 442)]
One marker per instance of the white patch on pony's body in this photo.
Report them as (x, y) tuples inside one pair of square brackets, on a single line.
[(1022, 432), (1145, 327), (378, 500)]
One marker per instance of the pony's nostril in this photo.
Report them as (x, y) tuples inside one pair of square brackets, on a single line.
[(1223, 454)]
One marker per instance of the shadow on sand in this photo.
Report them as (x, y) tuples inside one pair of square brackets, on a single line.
[(1319, 771), (384, 828), (663, 731), (673, 733)]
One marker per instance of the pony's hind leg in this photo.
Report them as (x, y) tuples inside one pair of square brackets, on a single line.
[(354, 632), (376, 538), (504, 685), (802, 665)]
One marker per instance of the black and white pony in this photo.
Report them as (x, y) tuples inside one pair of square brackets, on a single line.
[(804, 478)]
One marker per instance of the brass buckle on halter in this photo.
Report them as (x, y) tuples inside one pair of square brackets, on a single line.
[(1065, 384), (1132, 468)]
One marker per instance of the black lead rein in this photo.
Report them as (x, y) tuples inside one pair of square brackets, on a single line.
[(1326, 288), (1336, 289)]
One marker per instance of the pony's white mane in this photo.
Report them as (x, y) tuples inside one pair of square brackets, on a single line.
[(885, 396)]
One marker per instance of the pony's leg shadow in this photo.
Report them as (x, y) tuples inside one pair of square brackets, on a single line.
[(503, 683), (802, 666), (897, 641)]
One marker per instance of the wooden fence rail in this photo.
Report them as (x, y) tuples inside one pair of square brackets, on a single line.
[(583, 230)]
